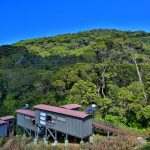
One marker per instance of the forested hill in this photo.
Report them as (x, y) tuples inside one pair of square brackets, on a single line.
[(108, 67)]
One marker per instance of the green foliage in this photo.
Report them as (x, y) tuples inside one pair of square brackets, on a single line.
[(144, 115), (87, 67), (146, 112), (83, 93), (115, 119), (2, 141), (113, 143)]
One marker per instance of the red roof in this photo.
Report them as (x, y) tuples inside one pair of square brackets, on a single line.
[(26, 112), (7, 118), (71, 106), (2, 122), (63, 111)]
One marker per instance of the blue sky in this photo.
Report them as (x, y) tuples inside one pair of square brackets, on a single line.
[(26, 19)]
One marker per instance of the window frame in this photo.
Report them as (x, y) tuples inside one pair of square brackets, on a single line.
[(59, 119), (53, 118)]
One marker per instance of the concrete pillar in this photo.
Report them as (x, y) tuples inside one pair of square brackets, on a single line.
[(45, 141), (45, 138), (17, 135), (35, 141), (36, 138), (55, 137), (66, 140), (81, 142), (55, 140), (107, 133), (24, 134), (30, 133), (55, 143), (91, 139)]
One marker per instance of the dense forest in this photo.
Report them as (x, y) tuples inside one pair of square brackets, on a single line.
[(110, 68)]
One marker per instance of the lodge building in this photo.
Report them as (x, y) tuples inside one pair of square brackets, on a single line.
[(49, 120)]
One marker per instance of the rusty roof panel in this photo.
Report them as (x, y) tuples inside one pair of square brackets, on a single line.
[(7, 118), (2, 122), (63, 111), (26, 112), (71, 106)]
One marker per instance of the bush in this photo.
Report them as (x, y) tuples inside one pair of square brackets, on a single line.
[(113, 143), (102, 143), (2, 141), (19, 143)]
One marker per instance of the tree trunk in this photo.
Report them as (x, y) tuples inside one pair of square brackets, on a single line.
[(140, 78), (101, 84)]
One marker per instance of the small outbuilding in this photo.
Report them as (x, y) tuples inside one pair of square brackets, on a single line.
[(7, 126), (3, 128), (11, 124)]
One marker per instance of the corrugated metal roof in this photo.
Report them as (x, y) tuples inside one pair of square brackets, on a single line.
[(7, 118), (63, 111), (26, 112), (2, 122), (71, 106)]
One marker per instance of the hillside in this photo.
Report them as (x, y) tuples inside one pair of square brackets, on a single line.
[(108, 67)]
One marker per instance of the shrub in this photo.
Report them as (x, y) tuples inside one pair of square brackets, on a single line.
[(113, 143), (2, 141), (102, 143)]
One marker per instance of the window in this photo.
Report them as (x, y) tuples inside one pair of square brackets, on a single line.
[(42, 122), (42, 118), (49, 118), (43, 114), (61, 119)]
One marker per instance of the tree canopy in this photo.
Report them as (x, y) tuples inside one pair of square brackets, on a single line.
[(110, 68)]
